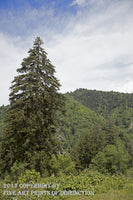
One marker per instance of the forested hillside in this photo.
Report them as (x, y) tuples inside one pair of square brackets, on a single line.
[(78, 121), (116, 111), (92, 121), (104, 103), (117, 105), (96, 137)]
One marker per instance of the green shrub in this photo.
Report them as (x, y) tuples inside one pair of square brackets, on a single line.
[(62, 164), (30, 176), (112, 159), (17, 169)]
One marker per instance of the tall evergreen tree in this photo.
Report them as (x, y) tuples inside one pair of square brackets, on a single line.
[(33, 114)]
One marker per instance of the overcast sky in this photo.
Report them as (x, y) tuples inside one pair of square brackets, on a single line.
[(90, 42)]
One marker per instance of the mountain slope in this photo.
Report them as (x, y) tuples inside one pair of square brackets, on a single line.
[(78, 121), (117, 105)]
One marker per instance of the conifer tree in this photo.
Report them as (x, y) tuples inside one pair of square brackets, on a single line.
[(32, 117)]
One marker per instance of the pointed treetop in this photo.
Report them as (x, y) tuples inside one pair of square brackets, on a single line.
[(38, 41)]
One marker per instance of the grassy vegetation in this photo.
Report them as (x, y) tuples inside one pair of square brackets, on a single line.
[(97, 185), (115, 195)]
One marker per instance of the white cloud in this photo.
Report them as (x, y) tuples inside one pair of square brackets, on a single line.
[(12, 52), (92, 55), (92, 49), (78, 2)]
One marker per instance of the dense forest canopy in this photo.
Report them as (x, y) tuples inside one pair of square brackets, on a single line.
[(93, 121)]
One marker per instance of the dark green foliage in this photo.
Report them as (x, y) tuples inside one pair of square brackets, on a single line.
[(113, 159), (32, 116), (3, 110), (108, 100), (117, 110), (62, 165), (87, 131), (78, 120), (88, 146), (111, 132), (120, 105)]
